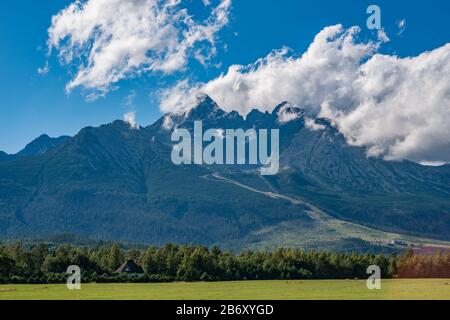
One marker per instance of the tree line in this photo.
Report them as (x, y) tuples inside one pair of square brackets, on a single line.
[(42, 263)]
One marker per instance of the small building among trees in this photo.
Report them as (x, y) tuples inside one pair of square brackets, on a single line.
[(130, 267)]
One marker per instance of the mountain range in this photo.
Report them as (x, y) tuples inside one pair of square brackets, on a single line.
[(36, 147), (117, 183)]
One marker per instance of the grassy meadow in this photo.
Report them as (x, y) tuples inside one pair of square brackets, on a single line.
[(427, 289)]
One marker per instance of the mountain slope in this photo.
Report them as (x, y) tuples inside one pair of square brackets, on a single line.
[(3, 156), (320, 167), (37, 147), (117, 183)]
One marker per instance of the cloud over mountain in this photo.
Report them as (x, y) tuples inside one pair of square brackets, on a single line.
[(398, 108), (110, 40)]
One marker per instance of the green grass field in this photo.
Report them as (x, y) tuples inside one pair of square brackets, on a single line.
[(247, 290)]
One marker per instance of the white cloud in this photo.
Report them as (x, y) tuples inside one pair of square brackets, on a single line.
[(398, 108), (401, 108), (180, 98), (128, 101), (331, 60), (382, 36), (44, 69), (168, 122), (111, 40), (432, 164), (288, 113), (312, 125), (401, 24), (130, 118)]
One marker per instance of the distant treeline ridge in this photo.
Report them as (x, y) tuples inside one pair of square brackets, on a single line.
[(42, 263)]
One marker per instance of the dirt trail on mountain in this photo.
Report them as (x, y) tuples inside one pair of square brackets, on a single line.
[(346, 227), (272, 195), (313, 212)]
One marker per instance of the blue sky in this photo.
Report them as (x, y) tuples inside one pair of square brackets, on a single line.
[(32, 104)]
